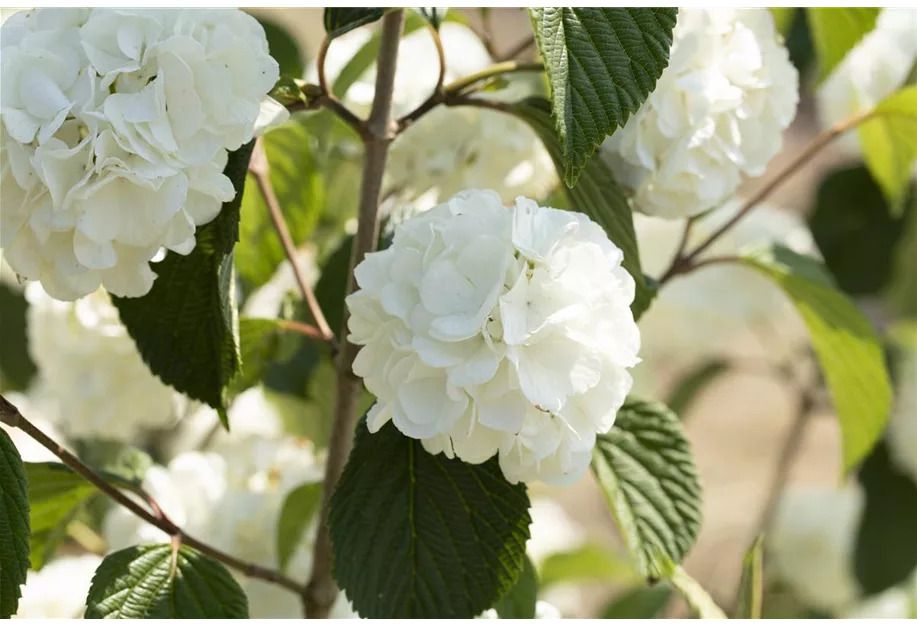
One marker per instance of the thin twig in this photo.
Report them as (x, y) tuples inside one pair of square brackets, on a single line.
[(518, 49), (322, 591), (441, 54), (10, 415), (302, 328), (320, 65), (260, 169)]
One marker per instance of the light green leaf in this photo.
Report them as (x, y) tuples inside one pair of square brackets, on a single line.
[(596, 194), (138, 582), (186, 327), (299, 509), (751, 587), (520, 601), (263, 342), (847, 348), (694, 594), (601, 63), (55, 494), (422, 536), (639, 602), (783, 18), (340, 20), (14, 526), (693, 383), (836, 30), (889, 140), (645, 467), (587, 563)]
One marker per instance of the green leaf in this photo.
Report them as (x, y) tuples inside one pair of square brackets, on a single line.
[(885, 553), (645, 467), (639, 602), (587, 563), (139, 582), (751, 586), (601, 63), (520, 601), (695, 596), (331, 289), (847, 348), (596, 194), (299, 509), (342, 20), (263, 342), (855, 231), (284, 48), (889, 140), (783, 18), (14, 526), (693, 383), (422, 536), (186, 327), (836, 30), (16, 366), (55, 494), (298, 182)]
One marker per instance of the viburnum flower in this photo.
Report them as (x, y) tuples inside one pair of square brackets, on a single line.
[(59, 589), (488, 329), (448, 149), (89, 367), (718, 111), (115, 131)]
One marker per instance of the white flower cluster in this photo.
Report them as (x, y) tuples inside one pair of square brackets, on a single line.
[(89, 366), (59, 589), (449, 149), (718, 111), (543, 611), (115, 131), (488, 329)]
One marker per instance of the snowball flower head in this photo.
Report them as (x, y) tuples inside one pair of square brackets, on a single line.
[(115, 131), (90, 367), (812, 543), (718, 111), (448, 149), (59, 589), (488, 329)]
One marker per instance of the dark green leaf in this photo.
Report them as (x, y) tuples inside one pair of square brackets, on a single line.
[(847, 348), (645, 467), (138, 582), (16, 367), (520, 601), (286, 91), (423, 536), (435, 16), (751, 587), (889, 139), (885, 553), (284, 48), (596, 194), (299, 509), (601, 63), (331, 288), (263, 342), (854, 230), (14, 526), (55, 494), (186, 326), (587, 563), (783, 18), (693, 383), (836, 30), (639, 602), (340, 20)]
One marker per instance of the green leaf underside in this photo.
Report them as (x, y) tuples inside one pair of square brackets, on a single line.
[(751, 586), (136, 583), (847, 348), (836, 31), (55, 495), (14, 526), (889, 140), (596, 194), (587, 563), (693, 384), (645, 467), (639, 602), (340, 20), (186, 326), (601, 64), (297, 513), (422, 536), (520, 601)]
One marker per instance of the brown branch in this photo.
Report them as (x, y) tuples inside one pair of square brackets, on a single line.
[(320, 65), (322, 591), (259, 168), (10, 415)]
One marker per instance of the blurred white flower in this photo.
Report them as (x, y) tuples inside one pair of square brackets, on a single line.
[(448, 149), (36, 411), (488, 329), (59, 589), (902, 428), (552, 530), (89, 366), (870, 72), (543, 610), (718, 111), (895, 603), (811, 545)]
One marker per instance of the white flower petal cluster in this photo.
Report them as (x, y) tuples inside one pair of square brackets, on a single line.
[(448, 149), (59, 589), (488, 329), (543, 610), (902, 427), (870, 72), (115, 131), (812, 543), (718, 111), (89, 366)]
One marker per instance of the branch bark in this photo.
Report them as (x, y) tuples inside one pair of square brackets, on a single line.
[(322, 591)]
